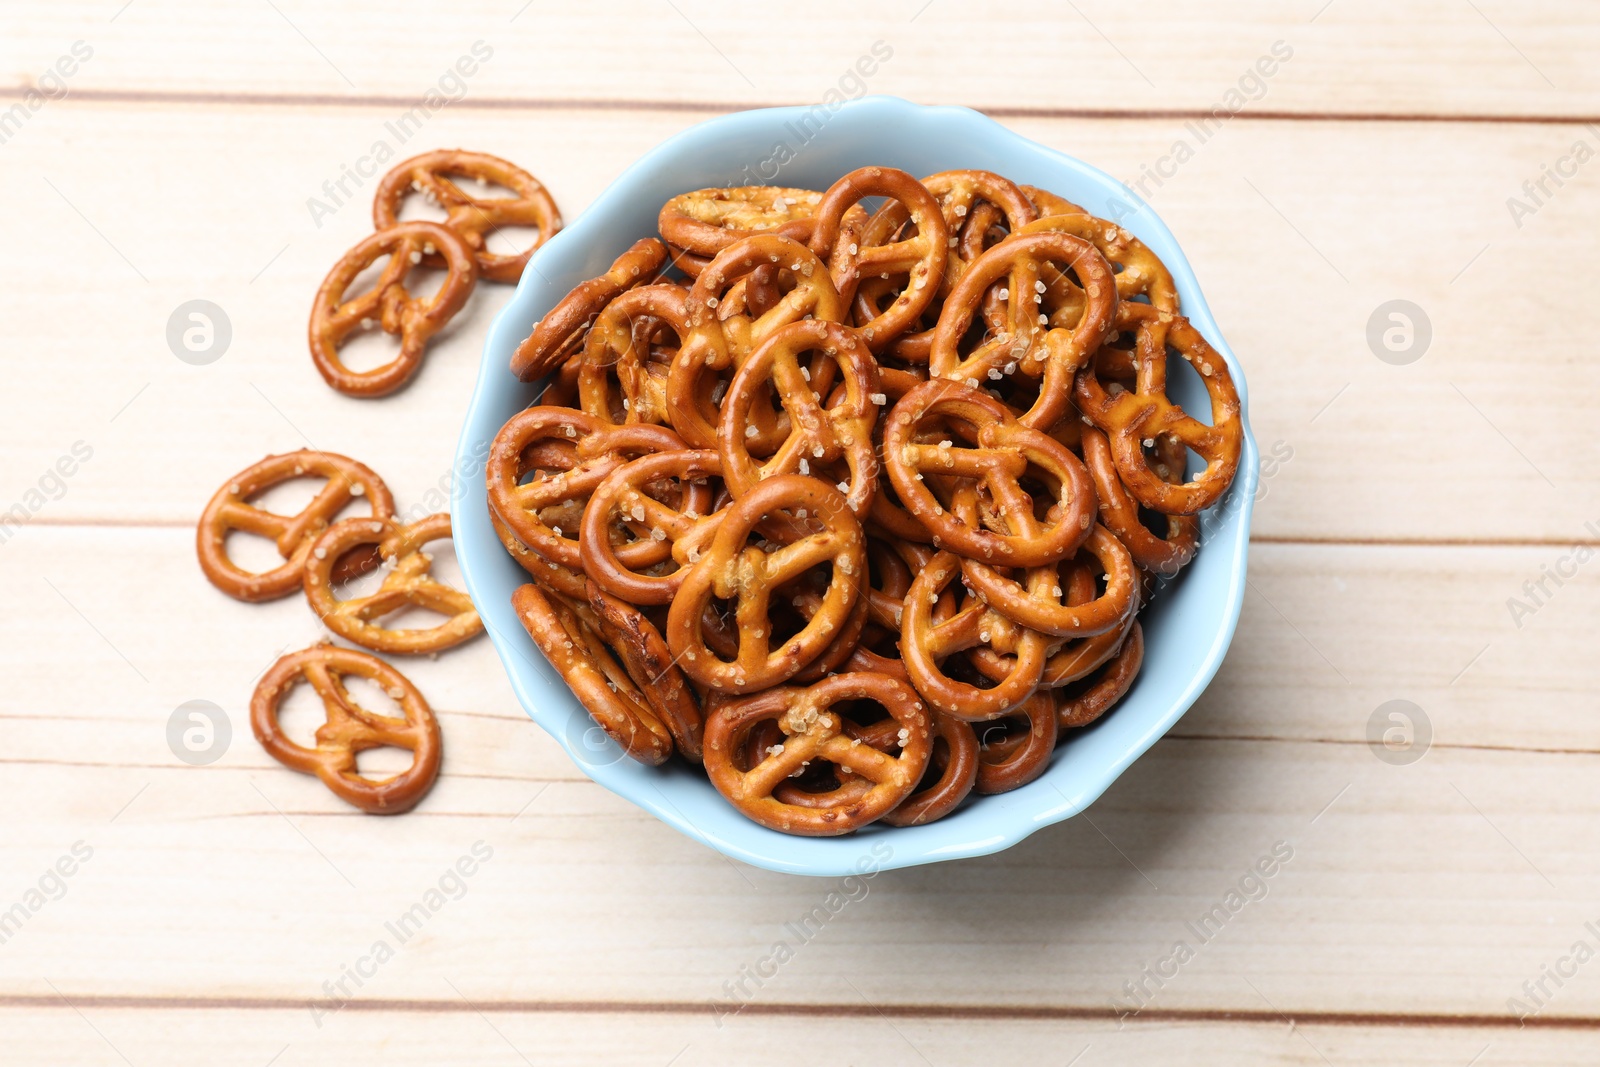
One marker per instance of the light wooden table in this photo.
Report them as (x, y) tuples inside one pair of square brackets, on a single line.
[(1416, 503)]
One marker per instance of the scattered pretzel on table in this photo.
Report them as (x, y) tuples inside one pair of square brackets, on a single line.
[(350, 729), (856, 509), (458, 245), (473, 218), (321, 553), (230, 509), (335, 315), (407, 583)]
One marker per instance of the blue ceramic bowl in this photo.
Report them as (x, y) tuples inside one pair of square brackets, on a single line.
[(1187, 626)]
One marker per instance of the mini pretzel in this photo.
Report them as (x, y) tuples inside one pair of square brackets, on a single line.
[(621, 501), (407, 585), (975, 204), (561, 331), (1048, 203), (1027, 344), (690, 263), (597, 450), (563, 580), (818, 437), (925, 641), (954, 756), (1160, 555), (888, 514), (716, 342), (812, 729), (1076, 658), (599, 682), (388, 304), (229, 510), (618, 345), (349, 728), (706, 221), (1003, 453), (921, 257), (474, 218), (1139, 271), (893, 567), (644, 654), (1012, 756), (1132, 419), (959, 190), (1112, 685), (748, 575), (561, 387), (1040, 604), (845, 639)]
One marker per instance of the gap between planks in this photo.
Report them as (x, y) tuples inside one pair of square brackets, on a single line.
[(815, 1010), (248, 99)]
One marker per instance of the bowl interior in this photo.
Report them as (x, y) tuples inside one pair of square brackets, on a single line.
[(1187, 625)]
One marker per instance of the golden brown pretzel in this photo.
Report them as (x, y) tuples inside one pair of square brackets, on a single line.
[(1139, 271), (600, 683), (690, 263), (619, 346), (999, 457), (1039, 603), (596, 451), (819, 437), (1016, 749), (730, 569), (1129, 420), (812, 729), (1048, 203), (920, 257), (706, 221), (1081, 709), (349, 728), (968, 200), (563, 580), (888, 514), (474, 218), (622, 505), (1160, 555), (561, 332), (1077, 658), (406, 584), (720, 341), (892, 566), (388, 304), (1027, 344), (846, 639), (954, 756), (925, 641), (635, 640), (229, 509), (959, 190)]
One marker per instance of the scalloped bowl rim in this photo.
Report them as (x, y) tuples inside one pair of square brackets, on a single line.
[(1204, 602)]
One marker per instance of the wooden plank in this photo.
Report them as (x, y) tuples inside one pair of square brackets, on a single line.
[(1416, 891), (1419, 56), (395, 1038), (296, 886), (1414, 452)]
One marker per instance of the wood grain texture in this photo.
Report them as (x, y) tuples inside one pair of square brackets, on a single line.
[(1275, 752), (1354, 56), (58, 1035), (1414, 541)]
